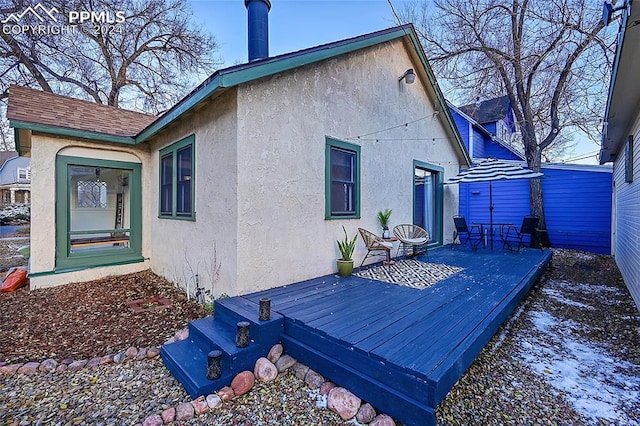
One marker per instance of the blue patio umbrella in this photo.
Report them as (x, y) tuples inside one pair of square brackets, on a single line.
[(490, 170)]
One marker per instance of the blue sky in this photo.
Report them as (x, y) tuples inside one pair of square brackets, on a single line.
[(293, 24)]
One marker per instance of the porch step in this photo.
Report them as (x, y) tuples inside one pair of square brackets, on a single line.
[(187, 359), (398, 405)]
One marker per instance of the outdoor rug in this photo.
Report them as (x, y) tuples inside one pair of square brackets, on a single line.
[(410, 273)]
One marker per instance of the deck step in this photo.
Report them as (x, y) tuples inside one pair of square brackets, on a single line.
[(187, 359), (400, 406)]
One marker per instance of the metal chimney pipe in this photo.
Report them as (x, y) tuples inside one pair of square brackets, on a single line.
[(258, 20)]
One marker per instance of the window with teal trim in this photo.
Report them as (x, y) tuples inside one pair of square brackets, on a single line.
[(342, 180), (177, 180), (628, 160), (98, 216)]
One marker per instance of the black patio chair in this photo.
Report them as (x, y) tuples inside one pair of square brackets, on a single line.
[(465, 234), (514, 239)]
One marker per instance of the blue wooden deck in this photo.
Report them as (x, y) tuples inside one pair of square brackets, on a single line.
[(399, 348)]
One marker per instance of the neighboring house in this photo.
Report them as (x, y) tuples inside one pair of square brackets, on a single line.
[(248, 181), (15, 179), (576, 196), (621, 134)]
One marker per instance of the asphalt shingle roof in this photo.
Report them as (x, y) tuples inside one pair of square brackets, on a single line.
[(45, 108)]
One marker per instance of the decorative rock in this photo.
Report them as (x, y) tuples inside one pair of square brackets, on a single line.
[(265, 370), (3, 363), (131, 352), (243, 382), (66, 361), (182, 334), (213, 401), (382, 420), (107, 359), (29, 368), (48, 365), (343, 402), (62, 367), (119, 357), (10, 370), (326, 387), (171, 339), (153, 352), (184, 411), (77, 365), (366, 414), (275, 352), (200, 405), (169, 415), (284, 362), (313, 379), (300, 370), (226, 393), (142, 354), (154, 420), (94, 362)]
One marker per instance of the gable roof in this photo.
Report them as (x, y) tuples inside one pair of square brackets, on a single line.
[(244, 73), (50, 111), (488, 111), (624, 90), (7, 155)]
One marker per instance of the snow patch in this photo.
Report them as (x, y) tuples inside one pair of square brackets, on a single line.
[(583, 287), (559, 297)]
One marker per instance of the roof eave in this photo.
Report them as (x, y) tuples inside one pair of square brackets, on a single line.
[(75, 133)]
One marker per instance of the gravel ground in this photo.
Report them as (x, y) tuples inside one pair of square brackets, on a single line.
[(580, 291)]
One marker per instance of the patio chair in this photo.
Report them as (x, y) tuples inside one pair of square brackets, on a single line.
[(375, 244), (411, 236), (465, 234), (514, 239)]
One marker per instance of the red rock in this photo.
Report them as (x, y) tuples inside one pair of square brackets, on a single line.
[(226, 393), (213, 401), (153, 352), (62, 367), (154, 420), (313, 379), (131, 352), (182, 334), (169, 415), (265, 370), (343, 402), (284, 362), (299, 370), (29, 368), (366, 414), (10, 370), (142, 354), (275, 352), (200, 405), (77, 365), (326, 387), (94, 362), (382, 420), (243, 382), (184, 412), (107, 359), (48, 365)]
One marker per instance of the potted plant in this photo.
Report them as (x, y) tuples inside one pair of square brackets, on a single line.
[(345, 264), (383, 218)]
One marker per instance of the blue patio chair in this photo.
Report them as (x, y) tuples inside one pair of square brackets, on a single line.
[(514, 239), (465, 234)]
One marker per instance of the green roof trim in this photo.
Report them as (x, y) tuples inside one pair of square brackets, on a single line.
[(63, 131)]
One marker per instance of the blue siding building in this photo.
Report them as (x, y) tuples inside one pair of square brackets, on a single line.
[(577, 197)]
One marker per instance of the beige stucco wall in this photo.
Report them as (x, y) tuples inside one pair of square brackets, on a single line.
[(43, 189), (282, 124), (207, 246)]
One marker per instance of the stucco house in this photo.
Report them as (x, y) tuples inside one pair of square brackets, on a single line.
[(15, 179), (569, 191), (621, 133), (246, 183)]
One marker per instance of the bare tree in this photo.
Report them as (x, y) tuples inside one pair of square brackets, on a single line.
[(145, 60), (549, 56)]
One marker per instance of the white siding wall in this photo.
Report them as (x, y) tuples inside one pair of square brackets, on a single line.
[(627, 220)]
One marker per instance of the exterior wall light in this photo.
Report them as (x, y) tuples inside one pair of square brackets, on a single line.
[(409, 76)]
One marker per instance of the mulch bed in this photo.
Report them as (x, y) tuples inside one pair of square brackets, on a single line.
[(83, 320)]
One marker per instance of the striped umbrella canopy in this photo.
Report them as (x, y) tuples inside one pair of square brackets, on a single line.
[(490, 170)]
